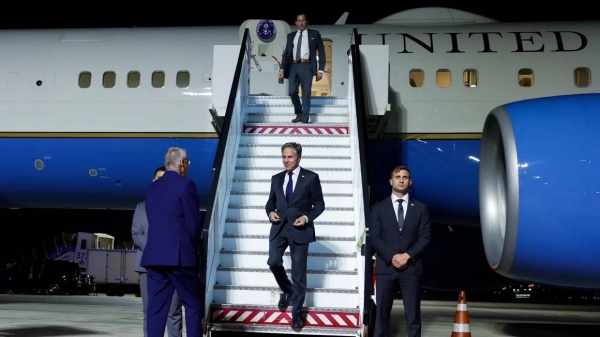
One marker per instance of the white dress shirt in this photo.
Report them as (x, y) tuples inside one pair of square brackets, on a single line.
[(304, 49), (404, 204), (294, 177)]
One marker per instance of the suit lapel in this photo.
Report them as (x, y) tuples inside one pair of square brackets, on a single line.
[(291, 42), (391, 212), (311, 43), (280, 182), (409, 212)]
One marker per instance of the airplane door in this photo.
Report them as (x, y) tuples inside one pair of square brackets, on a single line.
[(268, 42)]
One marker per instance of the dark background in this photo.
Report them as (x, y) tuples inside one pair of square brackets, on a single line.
[(201, 13)]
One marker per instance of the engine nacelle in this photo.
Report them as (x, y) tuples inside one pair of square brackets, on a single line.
[(539, 190)]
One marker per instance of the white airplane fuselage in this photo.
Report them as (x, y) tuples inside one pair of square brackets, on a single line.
[(96, 147)]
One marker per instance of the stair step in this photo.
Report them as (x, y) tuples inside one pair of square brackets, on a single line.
[(290, 128), (257, 212), (284, 117), (258, 259), (263, 277), (314, 101), (337, 321), (288, 108), (247, 149), (262, 295), (260, 199), (284, 328), (264, 185), (325, 173), (304, 139), (263, 227), (260, 243)]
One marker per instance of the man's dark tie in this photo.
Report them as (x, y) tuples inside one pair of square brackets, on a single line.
[(400, 215), (298, 46), (289, 189)]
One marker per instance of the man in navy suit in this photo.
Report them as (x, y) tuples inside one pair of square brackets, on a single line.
[(299, 65), (295, 202), (399, 232), (139, 233), (171, 254)]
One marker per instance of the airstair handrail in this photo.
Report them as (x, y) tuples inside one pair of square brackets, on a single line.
[(222, 168), (361, 129)]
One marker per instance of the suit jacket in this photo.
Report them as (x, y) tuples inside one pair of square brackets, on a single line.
[(315, 43), (386, 239), (307, 200), (139, 233), (174, 227)]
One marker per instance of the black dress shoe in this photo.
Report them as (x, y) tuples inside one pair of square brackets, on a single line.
[(297, 324), (284, 301)]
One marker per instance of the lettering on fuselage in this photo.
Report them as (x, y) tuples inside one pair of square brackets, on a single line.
[(525, 42)]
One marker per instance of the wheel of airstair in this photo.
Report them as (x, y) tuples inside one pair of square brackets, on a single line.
[(245, 294)]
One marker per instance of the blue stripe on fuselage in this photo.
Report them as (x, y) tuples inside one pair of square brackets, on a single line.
[(444, 172), (124, 166)]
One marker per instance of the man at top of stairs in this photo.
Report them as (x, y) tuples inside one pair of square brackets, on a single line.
[(299, 65)]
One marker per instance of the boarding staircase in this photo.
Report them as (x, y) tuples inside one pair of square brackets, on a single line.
[(243, 277), (240, 291)]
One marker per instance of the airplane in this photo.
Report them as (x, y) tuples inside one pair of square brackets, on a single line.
[(88, 113)]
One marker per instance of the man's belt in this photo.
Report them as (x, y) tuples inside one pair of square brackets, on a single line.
[(300, 61)]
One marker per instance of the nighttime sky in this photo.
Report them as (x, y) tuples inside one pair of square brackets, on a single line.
[(199, 13)]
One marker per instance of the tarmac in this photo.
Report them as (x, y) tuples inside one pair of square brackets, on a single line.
[(55, 316)]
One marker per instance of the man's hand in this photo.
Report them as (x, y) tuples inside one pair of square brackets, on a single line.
[(274, 217), (319, 76), (280, 74), (400, 261), (301, 221)]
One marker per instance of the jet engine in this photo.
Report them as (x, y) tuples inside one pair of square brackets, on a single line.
[(539, 190)]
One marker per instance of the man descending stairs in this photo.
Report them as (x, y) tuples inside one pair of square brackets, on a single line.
[(246, 294)]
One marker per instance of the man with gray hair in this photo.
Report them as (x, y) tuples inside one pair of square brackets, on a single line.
[(295, 202), (139, 233), (171, 255)]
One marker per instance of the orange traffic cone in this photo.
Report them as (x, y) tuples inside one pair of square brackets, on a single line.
[(461, 318)]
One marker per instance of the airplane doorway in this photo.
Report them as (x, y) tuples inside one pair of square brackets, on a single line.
[(323, 87)]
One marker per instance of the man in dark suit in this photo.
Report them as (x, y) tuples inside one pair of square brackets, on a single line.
[(399, 232), (139, 233), (299, 65), (171, 254), (295, 202)]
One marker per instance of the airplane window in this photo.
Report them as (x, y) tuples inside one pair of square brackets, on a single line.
[(109, 79), (133, 79), (470, 78), (526, 77), (158, 79), (582, 77), (85, 79), (183, 79), (443, 78), (416, 77)]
